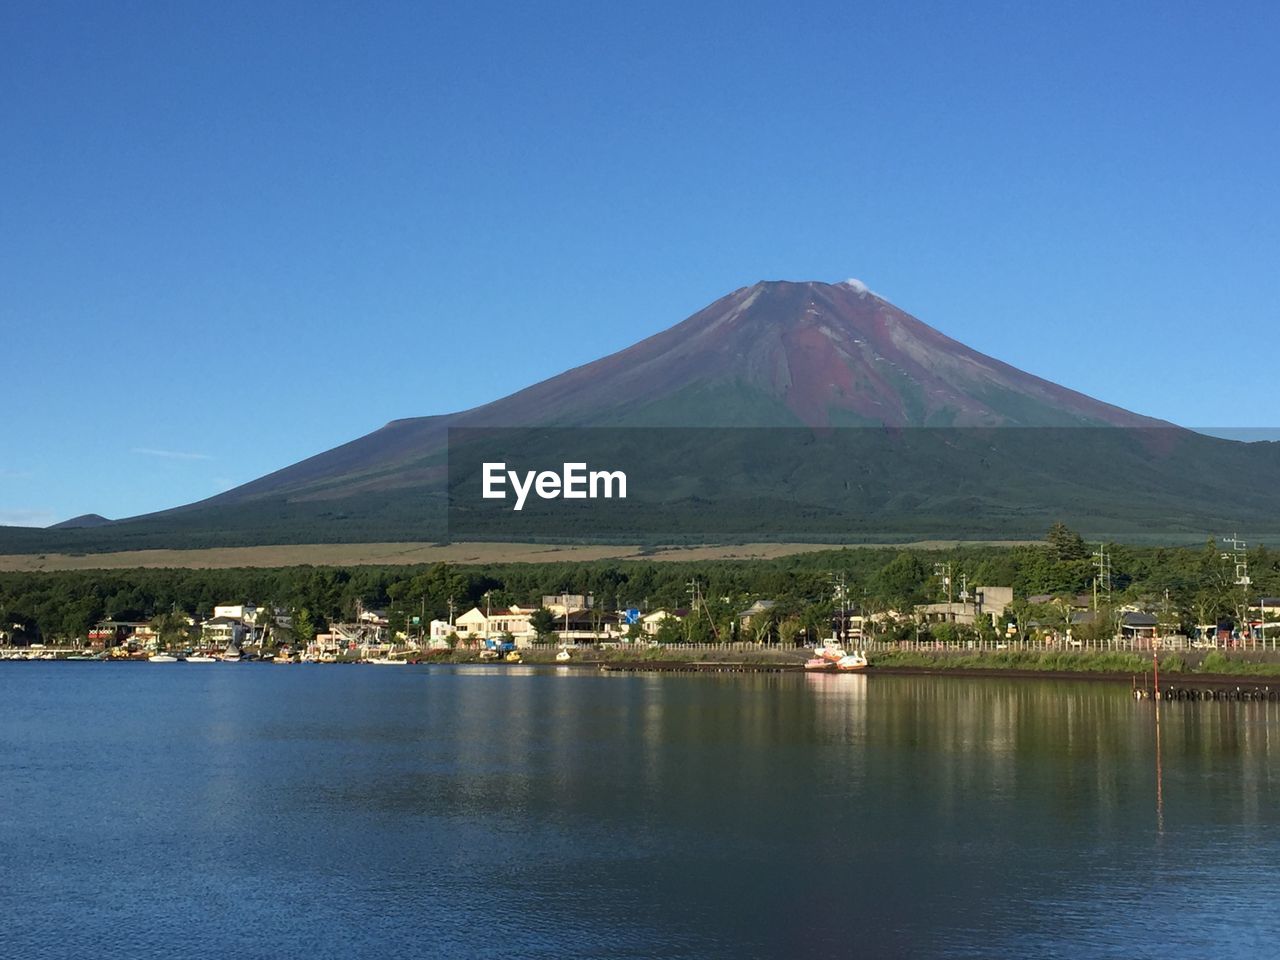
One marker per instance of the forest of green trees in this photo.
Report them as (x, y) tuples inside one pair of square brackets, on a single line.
[(1200, 583)]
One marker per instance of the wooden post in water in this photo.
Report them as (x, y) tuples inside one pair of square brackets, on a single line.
[(1155, 665)]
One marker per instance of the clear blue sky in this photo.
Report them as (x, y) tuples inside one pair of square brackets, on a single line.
[(237, 234)]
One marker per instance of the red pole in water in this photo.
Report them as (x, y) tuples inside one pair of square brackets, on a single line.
[(1155, 663)]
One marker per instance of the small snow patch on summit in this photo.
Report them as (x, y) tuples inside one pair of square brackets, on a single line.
[(856, 285)]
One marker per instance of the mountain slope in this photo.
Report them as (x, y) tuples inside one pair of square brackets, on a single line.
[(773, 354)]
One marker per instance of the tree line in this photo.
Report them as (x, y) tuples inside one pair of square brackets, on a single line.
[(1191, 585)]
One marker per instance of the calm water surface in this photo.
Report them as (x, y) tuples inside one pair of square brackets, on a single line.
[(225, 810)]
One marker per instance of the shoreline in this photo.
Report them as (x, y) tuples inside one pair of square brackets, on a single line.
[(778, 662)]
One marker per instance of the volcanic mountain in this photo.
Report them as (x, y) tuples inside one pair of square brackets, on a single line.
[(776, 354), (773, 354)]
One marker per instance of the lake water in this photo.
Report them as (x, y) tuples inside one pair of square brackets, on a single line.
[(221, 810)]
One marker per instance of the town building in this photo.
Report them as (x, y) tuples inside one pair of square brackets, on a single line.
[(652, 622), (987, 603)]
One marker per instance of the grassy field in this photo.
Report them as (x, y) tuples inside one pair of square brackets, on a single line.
[(356, 554)]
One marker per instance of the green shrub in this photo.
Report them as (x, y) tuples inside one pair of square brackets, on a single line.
[(1215, 662)]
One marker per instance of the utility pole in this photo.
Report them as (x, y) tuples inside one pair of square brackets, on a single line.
[(695, 601), (1240, 556), (1102, 579), (840, 593), (943, 571)]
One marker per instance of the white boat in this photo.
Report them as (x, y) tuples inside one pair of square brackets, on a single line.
[(830, 650), (161, 658), (851, 662), (230, 657), (386, 662), (563, 656), (201, 658)]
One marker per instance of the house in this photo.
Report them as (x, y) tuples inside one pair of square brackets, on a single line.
[(1137, 625), (1081, 601), (223, 631), (755, 610), (373, 618), (476, 625), (117, 633), (560, 604), (244, 612), (651, 623), (988, 602), (569, 624), (587, 626)]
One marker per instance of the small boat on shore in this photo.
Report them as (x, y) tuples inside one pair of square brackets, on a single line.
[(563, 656), (386, 662), (201, 658), (852, 662), (161, 658), (513, 657), (830, 650), (819, 664)]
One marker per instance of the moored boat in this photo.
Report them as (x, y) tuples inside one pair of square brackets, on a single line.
[(201, 658), (819, 663), (161, 658), (852, 662), (830, 650)]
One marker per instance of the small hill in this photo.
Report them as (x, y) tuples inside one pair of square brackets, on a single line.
[(83, 521)]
